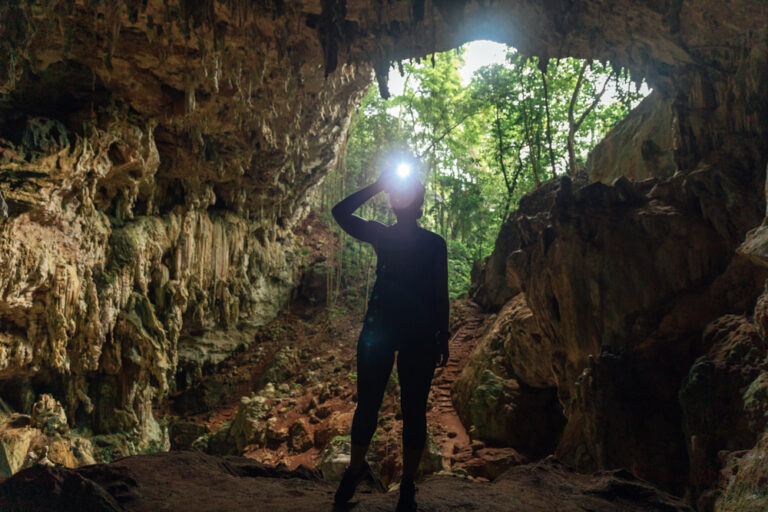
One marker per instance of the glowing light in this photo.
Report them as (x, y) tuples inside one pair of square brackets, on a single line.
[(403, 170)]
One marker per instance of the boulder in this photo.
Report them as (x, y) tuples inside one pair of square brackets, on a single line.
[(249, 425), (219, 442), (431, 458), (335, 458), (48, 415), (111, 447), (337, 424), (490, 462), (82, 449), (300, 437), (281, 367), (506, 394), (14, 446), (276, 435), (183, 434)]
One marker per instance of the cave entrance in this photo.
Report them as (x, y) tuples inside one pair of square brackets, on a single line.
[(485, 124)]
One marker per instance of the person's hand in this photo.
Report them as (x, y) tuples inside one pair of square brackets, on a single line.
[(386, 179), (443, 352)]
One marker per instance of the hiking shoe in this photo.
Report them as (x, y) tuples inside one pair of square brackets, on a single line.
[(349, 483), (407, 501)]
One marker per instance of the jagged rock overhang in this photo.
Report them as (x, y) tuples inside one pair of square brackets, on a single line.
[(708, 63)]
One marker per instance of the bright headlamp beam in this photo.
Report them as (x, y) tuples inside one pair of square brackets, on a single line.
[(403, 171)]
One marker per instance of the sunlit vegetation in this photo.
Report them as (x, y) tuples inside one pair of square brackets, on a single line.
[(479, 146)]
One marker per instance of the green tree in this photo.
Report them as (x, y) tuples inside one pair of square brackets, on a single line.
[(481, 147)]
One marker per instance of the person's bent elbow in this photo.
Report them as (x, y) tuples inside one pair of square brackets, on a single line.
[(338, 212)]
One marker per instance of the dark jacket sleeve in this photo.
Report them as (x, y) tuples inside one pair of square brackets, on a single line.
[(364, 230)]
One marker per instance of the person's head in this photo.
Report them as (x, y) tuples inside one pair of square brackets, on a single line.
[(406, 197)]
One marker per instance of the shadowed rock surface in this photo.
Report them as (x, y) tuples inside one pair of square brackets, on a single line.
[(627, 285), (186, 481)]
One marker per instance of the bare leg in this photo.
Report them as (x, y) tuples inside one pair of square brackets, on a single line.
[(357, 457)]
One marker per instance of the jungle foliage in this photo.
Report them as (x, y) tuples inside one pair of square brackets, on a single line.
[(479, 147)]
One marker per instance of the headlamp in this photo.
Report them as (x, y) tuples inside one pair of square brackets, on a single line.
[(403, 170)]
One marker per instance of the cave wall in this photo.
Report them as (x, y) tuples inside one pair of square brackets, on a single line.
[(156, 156), (642, 288)]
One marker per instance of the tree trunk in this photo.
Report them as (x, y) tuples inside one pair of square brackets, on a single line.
[(572, 127), (501, 162), (575, 124), (549, 123), (529, 135)]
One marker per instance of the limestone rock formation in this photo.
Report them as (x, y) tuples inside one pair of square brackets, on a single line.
[(623, 278), (152, 194), (48, 415), (725, 395), (249, 426), (335, 458), (156, 156), (640, 146), (25, 442), (621, 281), (507, 391), (742, 482)]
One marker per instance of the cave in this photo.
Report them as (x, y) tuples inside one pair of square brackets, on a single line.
[(158, 164)]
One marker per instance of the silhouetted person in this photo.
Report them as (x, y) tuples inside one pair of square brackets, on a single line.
[(407, 314)]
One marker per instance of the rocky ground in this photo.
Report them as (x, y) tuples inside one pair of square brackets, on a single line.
[(197, 482), (289, 399)]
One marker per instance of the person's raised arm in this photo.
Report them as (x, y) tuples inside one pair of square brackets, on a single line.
[(355, 226)]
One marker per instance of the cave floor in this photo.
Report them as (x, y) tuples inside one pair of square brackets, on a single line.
[(196, 482)]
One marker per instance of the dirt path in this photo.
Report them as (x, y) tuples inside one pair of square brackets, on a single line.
[(442, 417)]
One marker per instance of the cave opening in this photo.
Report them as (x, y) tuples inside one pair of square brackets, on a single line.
[(484, 125)]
